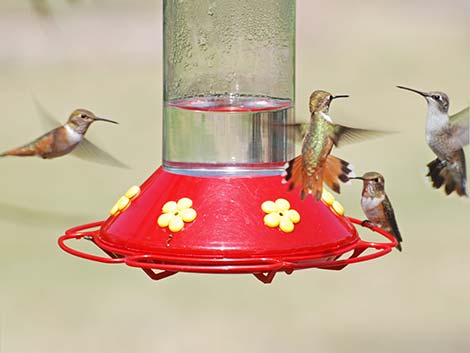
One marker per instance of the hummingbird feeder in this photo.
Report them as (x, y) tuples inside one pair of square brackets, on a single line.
[(217, 204)]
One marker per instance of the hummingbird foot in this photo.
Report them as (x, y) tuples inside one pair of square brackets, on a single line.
[(367, 223)]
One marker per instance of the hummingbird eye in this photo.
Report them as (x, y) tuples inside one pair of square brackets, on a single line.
[(436, 97), (85, 116)]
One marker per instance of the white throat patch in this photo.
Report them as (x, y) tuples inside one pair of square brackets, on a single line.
[(73, 136), (372, 202), (326, 117)]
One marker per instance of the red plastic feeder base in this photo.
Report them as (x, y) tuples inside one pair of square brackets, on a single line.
[(228, 233)]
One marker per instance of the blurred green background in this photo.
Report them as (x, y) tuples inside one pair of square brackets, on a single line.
[(106, 56)]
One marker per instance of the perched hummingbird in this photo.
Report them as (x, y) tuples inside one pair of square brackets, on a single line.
[(65, 139), (377, 206), (446, 136), (315, 165)]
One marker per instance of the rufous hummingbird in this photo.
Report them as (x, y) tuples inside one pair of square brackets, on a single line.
[(377, 206), (67, 138), (446, 136), (315, 164)]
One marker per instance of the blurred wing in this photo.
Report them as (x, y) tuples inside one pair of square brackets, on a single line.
[(461, 122), (295, 131), (299, 129), (41, 7), (344, 135), (90, 152), (38, 216), (47, 119)]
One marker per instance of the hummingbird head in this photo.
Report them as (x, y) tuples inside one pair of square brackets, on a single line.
[(320, 101), (436, 100), (373, 183), (81, 119)]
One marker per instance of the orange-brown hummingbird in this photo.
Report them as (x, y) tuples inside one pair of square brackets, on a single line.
[(377, 206), (315, 164), (446, 136), (67, 138)]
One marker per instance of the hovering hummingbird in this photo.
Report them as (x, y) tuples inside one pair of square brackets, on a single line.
[(67, 138), (446, 136), (377, 206), (315, 164)]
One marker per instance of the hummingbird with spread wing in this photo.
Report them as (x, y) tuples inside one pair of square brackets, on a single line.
[(315, 165), (376, 205), (446, 135), (67, 138)]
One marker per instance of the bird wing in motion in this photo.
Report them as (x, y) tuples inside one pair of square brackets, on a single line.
[(460, 123), (48, 121), (300, 130), (90, 152), (344, 135)]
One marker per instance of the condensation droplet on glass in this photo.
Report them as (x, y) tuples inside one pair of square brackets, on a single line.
[(202, 42)]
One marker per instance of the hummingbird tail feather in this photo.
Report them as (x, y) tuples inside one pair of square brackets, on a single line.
[(293, 172), (295, 176), (336, 171), (450, 174), (315, 185), (398, 247), (23, 151)]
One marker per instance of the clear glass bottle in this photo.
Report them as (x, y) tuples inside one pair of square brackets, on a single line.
[(229, 81)]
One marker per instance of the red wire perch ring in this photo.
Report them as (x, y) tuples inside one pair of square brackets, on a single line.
[(264, 268)]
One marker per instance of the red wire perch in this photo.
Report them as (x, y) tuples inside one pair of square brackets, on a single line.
[(264, 268)]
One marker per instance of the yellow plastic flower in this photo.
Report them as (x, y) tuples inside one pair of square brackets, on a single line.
[(175, 214), (338, 208), (279, 214), (327, 197), (334, 205), (125, 201)]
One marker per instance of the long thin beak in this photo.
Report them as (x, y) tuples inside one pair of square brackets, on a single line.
[(359, 178), (424, 94), (340, 96), (107, 120)]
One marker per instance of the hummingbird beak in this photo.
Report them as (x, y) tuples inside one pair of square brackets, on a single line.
[(107, 120), (413, 90), (359, 178), (340, 96)]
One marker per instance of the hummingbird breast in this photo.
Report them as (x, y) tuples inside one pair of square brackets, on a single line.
[(373, 208), (440, 142), (371, 203), (58, 142), (439, 134), (72, 136)]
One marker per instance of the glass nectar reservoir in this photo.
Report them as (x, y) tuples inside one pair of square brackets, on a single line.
[(228, 87)]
